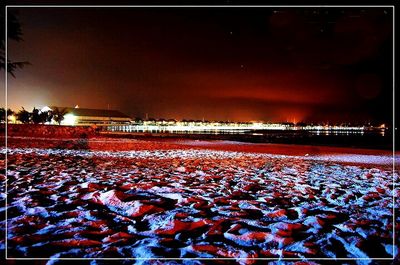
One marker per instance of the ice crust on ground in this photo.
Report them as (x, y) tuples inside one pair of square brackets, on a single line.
[(197, 203)]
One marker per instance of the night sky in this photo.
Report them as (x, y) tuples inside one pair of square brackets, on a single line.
[(237, 64)]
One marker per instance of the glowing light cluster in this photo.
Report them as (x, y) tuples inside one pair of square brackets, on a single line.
[(227, 127), (69, 119)]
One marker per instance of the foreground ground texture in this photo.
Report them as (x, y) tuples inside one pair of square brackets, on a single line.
[(96, 199)]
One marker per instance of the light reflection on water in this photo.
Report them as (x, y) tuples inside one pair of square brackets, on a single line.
[(131, 129), (334, 132)]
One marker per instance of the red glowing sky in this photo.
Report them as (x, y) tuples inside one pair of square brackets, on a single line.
[(220, 64)]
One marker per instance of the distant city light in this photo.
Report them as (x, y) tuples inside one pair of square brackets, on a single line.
[(12, 119), (69, 119), (201, 126)]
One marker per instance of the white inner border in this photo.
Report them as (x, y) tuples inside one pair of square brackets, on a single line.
[(198, 6)]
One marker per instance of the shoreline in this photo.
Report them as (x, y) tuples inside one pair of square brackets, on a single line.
[(226, 145), (301, 138), (344, 155), (367, 141)]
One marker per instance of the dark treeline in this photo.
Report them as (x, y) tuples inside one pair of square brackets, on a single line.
[(36, 116)]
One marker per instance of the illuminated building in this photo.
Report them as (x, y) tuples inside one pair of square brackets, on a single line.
[(83, 116)]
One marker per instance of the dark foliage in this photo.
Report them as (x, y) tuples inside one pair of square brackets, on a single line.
[(23, 116), (14, 33)]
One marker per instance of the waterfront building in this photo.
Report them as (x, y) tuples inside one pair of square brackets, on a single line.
[(84, 116)]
